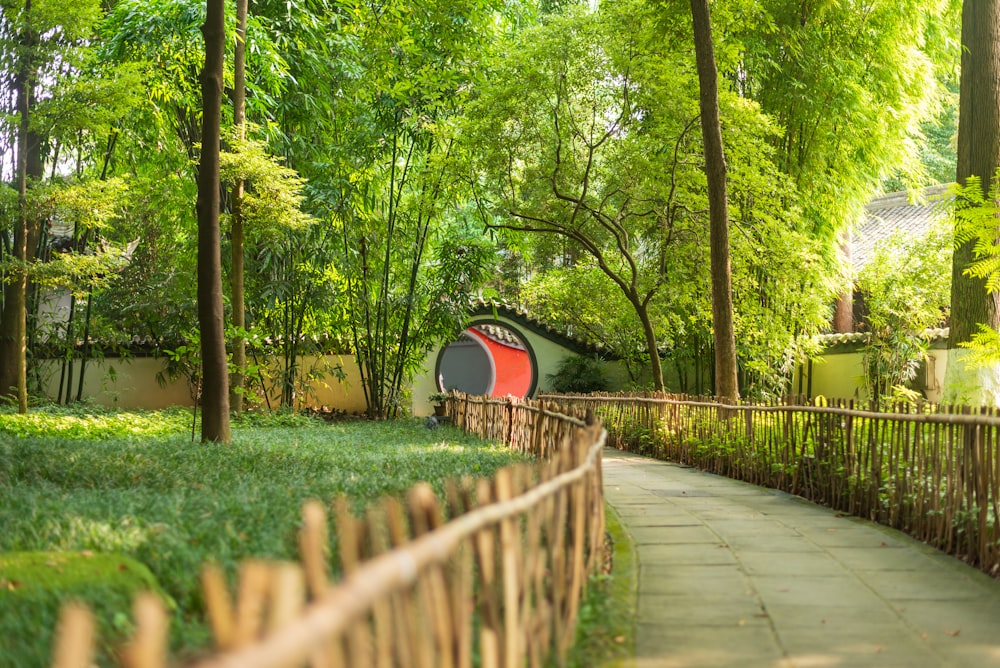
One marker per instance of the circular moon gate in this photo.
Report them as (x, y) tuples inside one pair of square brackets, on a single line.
[(488, 358)]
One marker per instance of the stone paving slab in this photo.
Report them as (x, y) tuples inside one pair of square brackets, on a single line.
[(731, 574)]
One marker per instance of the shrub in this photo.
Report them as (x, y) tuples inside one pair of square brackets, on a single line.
[(579, 374)]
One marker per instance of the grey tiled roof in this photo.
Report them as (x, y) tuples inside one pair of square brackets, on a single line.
[(517, 312), (829, 340), (888, 213), (500, 334)]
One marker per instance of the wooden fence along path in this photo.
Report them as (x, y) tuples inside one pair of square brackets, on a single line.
[(496, 572), (930, 471)]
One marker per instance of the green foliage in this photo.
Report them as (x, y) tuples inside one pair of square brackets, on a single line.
[(849, 88), (938, 153), (907, 288), (91, 423), (407, 259), (273, 198), (976, 220), (154, 294), (184, 361), (152, 495), (572, 138), (984, 348), (579, 374), (163, 40), (294, 296), (604, 318)]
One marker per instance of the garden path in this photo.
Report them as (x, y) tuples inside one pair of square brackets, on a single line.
[(730, 574)]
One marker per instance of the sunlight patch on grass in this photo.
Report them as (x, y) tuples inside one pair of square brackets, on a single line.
[(92, 423), (121, 535)]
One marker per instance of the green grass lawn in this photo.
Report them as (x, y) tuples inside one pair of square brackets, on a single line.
[(133, 484)]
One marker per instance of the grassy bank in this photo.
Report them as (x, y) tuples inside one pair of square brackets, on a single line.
[(605, 634), (134, 484)]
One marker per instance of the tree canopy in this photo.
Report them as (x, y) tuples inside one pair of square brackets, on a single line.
[(399, 158)]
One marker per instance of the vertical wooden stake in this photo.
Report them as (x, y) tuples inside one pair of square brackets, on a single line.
[(313, 544), (218, 606), (382, 608), (251, 601), (148, 648), (74, 637), (349, 547)]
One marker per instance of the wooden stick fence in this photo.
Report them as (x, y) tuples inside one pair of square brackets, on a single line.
[(931, 471), (500, 580)]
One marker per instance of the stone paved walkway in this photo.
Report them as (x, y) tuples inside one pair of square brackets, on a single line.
[(735, 575)]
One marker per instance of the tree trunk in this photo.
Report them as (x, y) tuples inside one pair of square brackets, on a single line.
[(978, 155), (655, 365), (726, 386), (14, 325), (843, 310), (215, 383), (236, 277)]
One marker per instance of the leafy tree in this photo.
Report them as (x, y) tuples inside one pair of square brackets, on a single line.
[(906, 291), (827, 73), (937, 152), (295, 296), (41, 39), (538, 170), (603, 318), (568, 138), (391, 187), (86, 263)]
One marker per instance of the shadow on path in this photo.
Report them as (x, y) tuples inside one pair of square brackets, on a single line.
[(731, 574)]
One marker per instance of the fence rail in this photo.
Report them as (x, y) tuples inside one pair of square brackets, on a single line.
[(930, 471), (496, 572)]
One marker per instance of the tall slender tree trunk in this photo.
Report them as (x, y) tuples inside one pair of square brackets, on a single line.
[(236, 382), (655, 364), (843, 310), (978, 155), (215, 383), (726, 385)]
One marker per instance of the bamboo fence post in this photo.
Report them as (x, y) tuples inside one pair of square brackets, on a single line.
[(509, 544), (288, 598), (433, 586), (577, 508), (287, 595), (313, 548), (148, 647), (381, 609), (490, 631), (405, 621), (74, 637), (349, 546), (218, 606), (459, 502), (251, 601)]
